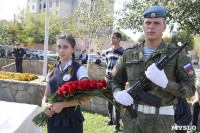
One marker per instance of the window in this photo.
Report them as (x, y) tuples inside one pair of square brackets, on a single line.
[(33, 7), (44, 6), (56, 12), (40, 6), (50, 5)]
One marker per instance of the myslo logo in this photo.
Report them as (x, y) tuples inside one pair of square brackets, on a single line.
[(177, 127)]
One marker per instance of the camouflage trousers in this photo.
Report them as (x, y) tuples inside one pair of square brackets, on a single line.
[(147, 123)]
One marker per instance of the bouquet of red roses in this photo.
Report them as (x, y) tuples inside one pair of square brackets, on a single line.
[(75, 90)]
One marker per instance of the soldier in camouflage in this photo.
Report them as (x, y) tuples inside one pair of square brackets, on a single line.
[(176, 80)]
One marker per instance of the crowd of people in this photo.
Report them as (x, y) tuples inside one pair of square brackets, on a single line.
[(172, 85)]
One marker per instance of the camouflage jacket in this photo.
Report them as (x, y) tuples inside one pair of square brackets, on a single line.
[(132, 65)]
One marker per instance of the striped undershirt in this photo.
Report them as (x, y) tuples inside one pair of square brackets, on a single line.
[(148, 51)]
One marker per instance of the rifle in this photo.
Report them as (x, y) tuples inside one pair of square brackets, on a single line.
[(138, 90)]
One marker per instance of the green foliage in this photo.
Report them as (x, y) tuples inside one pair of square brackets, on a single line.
[(90, 21), (30, 28), (126, 38), (92, 124), (182, 37), (185, 12), (141, 38), (196, 51), (6, 33), (167, 39)]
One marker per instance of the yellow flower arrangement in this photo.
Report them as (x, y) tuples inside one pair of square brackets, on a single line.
[(50, 65), (20, 77)]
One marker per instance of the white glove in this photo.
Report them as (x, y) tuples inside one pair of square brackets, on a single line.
[(156, 76), (123, 98)]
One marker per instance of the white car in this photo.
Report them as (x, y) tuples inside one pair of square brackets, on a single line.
[(52, 54), (103, 60), (195, 62), (103, 53), (37, 53), (92, 58)]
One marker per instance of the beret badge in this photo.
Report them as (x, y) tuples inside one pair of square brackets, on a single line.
[(153, 15)]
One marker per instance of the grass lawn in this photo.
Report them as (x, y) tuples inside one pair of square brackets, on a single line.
[(93, 123)]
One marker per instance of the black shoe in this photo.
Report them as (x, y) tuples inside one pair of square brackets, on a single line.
[(109, 123), (116, 129)]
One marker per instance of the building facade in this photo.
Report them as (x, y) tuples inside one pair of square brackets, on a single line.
[(62, 8)]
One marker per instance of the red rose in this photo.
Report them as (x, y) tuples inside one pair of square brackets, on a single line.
[(87, 81), (100, 86), (80, 85), (104, 82), (72, 90), (64, 89), (75, 84), (69, 84), (90, 87), (93, 80), (93, 85), (98, 81), (86, 85), (60, 93)]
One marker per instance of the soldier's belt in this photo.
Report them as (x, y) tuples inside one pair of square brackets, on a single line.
[(164, 110)]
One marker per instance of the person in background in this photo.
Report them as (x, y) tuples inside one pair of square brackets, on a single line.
[(196, 102), (183, 115), (175, 80), (98, 59), (112, 55), (84, 57), (3, 55), (63, 118), (18, 54)]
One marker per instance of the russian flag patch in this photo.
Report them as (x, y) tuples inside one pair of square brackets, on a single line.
[(189, 69)]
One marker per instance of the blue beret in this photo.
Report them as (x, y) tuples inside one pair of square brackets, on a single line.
[(155, 12)]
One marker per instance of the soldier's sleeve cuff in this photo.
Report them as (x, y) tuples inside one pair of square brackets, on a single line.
[(170, 87), (116, 89)]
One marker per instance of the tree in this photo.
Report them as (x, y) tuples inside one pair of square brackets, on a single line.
[(196, 51), (6, 33), (141, 38), (167, 39), (184, 12), (182, 37), (91, 21), (126, 38), (30, 28)]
